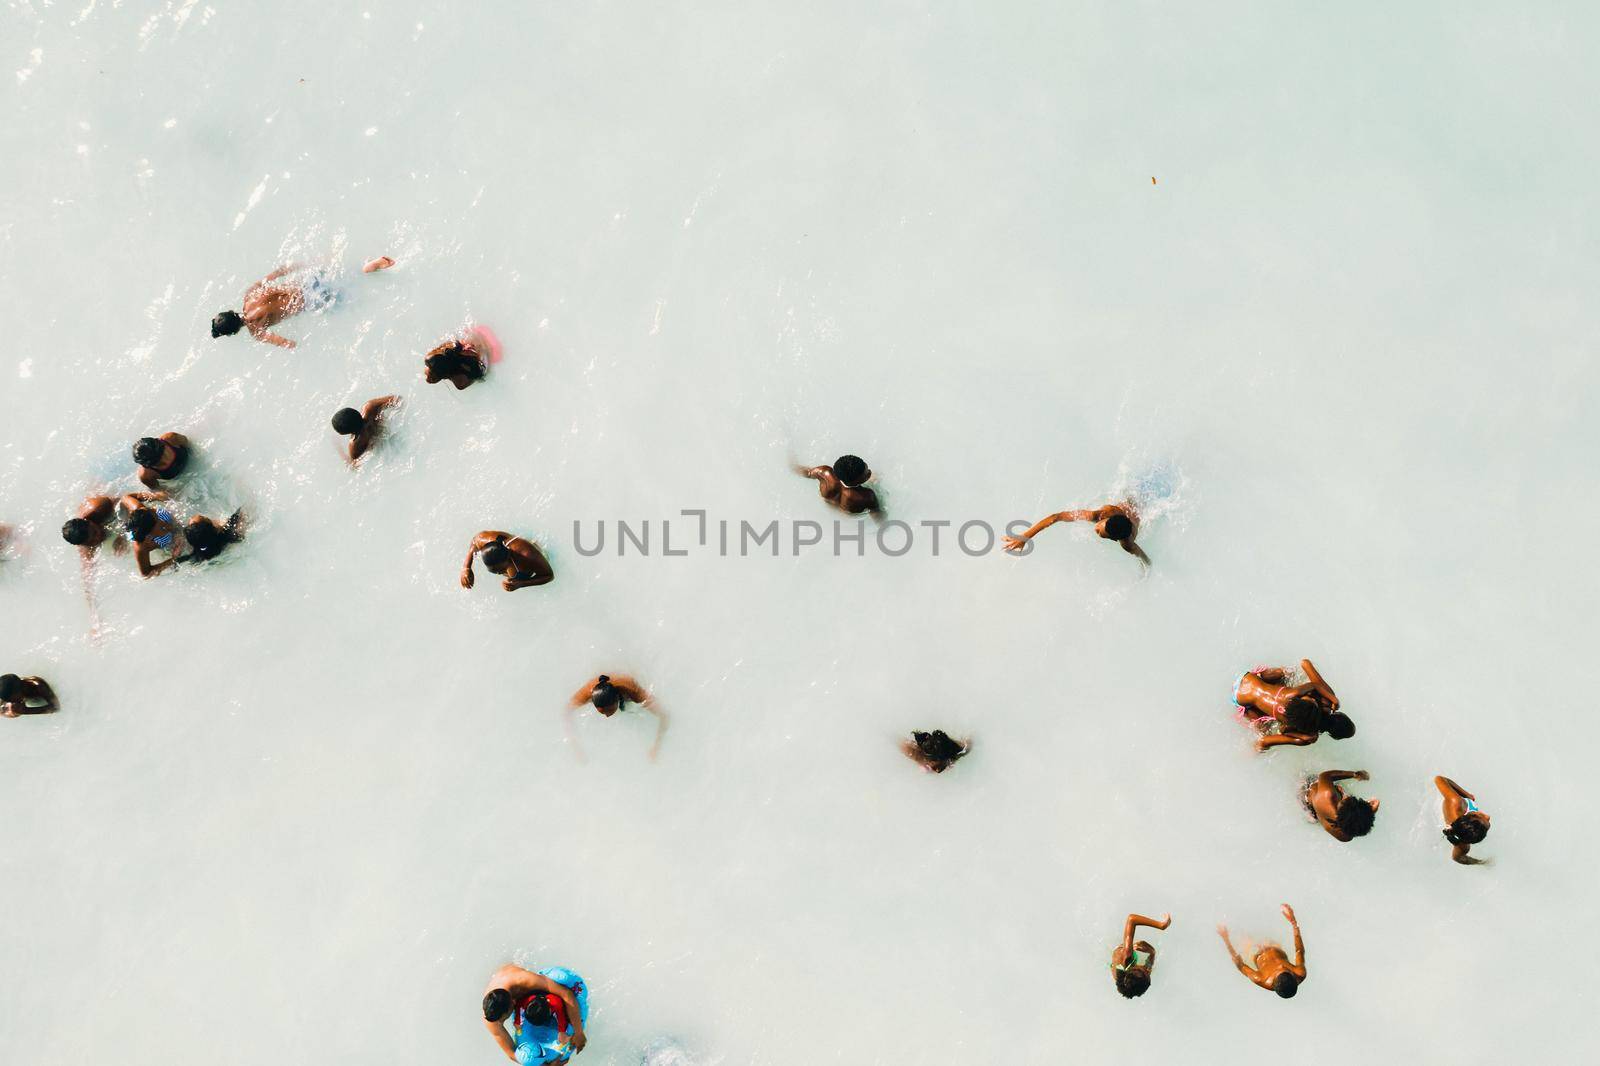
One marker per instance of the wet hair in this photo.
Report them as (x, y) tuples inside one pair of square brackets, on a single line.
[(1133, 982), (1286, 985), (1119, 527), (1466, 830), (1338, 725), (537, 1010), (605, 694), (850, 469), (937, 745), (496, 1005), (496, 555), (456, 359), (226, 324), (10, 685), (1355, 816), (347, 420), (207, 539), (140, 523), (77, 531), (1302, 716), (147, 451)]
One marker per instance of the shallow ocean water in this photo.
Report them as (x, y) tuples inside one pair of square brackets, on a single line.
[(299, 804)]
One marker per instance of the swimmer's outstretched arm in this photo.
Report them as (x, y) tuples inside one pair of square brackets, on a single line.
[(261, 333), (661, 725), (1299, 945), (1447, 788), (542, 573), (1284, 738), (1015, 543), (1321, 686), (1134, 550), (1249, 971), (1135, 921)]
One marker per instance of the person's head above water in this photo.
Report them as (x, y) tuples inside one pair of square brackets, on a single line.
[(456, 359), (1133, 981), (226, 324), (1355, 816), (497, 556), (851, 469), (937, 745), (139, 523), (496, 1005), (347, 421), (147, 451), (606, 697), (537, 1011), (77, 531), (10, 687), (1286, 985), (1115, 527), (1338, 726), (1468, 829)]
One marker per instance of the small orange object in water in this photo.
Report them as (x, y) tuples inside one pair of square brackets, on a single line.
[(1152, 179)]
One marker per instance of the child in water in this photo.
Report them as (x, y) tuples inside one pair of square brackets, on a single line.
[(1131, 962), (1117, 522), (1289, 714), (1344, 816), (609, 695), (1271, 966), (1465, 824), (844, 484), (935, 751)]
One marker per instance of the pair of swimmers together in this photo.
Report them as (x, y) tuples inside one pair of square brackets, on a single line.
[(1133, 962), (150, 527)]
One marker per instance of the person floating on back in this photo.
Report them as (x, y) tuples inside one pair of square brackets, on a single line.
[(608, 695), (517, 560), (935, 751), (844, 484), (1271, 966), (546, 1012), (1465, 824), (88, 530), (1289, 714), (160, 457), (1344, 816), (362, 426), (26, 695), (207, 538), (460, 361), (1132, 963), (150, 529), (1117, 521)]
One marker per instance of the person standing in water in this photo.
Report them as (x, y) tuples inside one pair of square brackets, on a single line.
[(546, 1011), (1271, 967), (88, 530), (1465, 824), (1298, 713), (608, 695), (517, 560), (362, 426), (207, 538), (1344, 816), (1132, 963), (844, 485), (282, 294), (460, 361), (935, 751), (1117, 521), (160, 457), (150, 529), (26, 695)]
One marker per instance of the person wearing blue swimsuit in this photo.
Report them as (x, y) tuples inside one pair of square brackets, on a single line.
[(547, 1012), (1465, 824), (149, 529)]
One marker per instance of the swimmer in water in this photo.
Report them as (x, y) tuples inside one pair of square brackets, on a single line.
[(460, 362), (88, 530), (1272, 968), (546, 1014), (149, 529), (274, 298), (1344, 816), (1132, 963), (844, 485), (207, 539), (160, 457), (1465, 824), (518, 561), (1117, 521), (26, 695), (1298, 713), (362, 426), (935, 751), (608, 695)]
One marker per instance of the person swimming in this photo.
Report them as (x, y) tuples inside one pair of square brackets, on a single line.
[(87, 531), (1344, 816), (516, 559), (843, 485), (362, 426), (1271, 967), (609, 695), (160, 457), (457, 361), (149, 529), (1117, 522), (273, 299), (1132, 963), (26, 695), (935, 751), (1465, 823), (207, 539), (1289, 714), (547, 1012)]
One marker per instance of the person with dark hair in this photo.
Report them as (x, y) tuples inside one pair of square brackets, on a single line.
[(207, 539), (362, 426), (149, 529), (546, 1012), (460, 361), (26, 695), (1344, 816), (935, 751), (1116, 522), (1289, 714), (282, 294), (844, 485), (88, 531), (516, 559), (1271, 966), (160, 457), (1132, 963), (608, 695), (1465, 824)]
